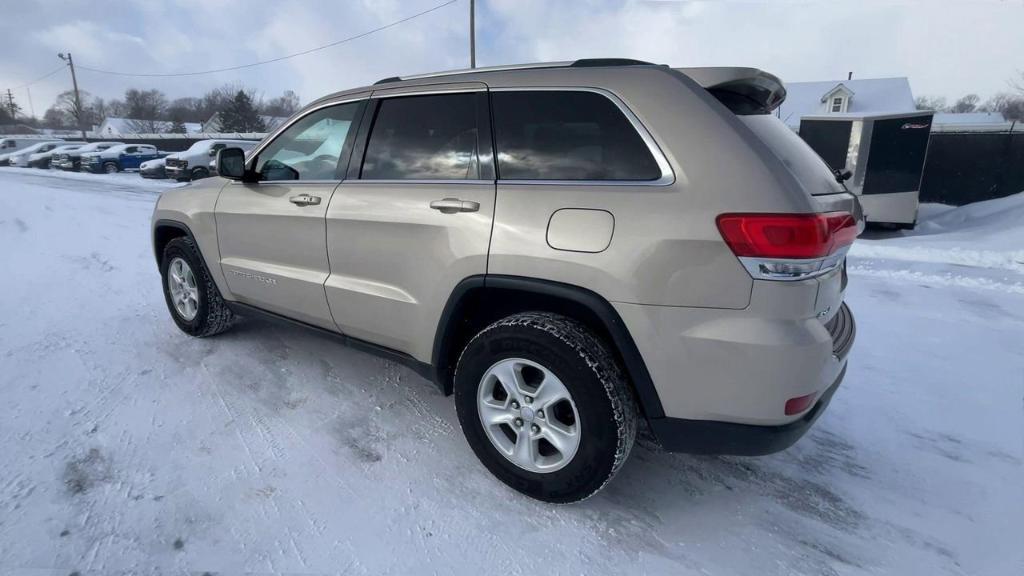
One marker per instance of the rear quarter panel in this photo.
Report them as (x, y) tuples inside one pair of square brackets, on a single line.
[(666, 249)]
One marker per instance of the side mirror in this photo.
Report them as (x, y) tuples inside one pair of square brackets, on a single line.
[(843, 175), (231, 164)]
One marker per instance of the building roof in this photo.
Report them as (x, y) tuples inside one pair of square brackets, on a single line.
[(868, 95), (946, 118), (113, 125)]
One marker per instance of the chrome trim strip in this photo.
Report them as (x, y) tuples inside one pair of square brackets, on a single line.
[(288, 182), (667, 175), (433, 91), (394, 181)]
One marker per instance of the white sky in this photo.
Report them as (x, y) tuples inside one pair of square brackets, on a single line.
[(946, 47)]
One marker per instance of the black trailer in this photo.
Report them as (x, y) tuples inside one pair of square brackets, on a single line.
[(885, 155)]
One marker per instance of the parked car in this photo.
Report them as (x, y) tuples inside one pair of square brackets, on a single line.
[(120, 158), (43, 159), (9, 146), (153, 168), (193, 164), (20, 158), (568, 248), (72, 159)]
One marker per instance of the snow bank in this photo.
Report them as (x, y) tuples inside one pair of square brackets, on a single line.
[(986, 234)]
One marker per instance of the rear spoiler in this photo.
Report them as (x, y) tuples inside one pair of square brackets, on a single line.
[(742, 90)]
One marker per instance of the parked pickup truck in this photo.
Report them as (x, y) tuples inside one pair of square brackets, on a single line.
[(72, 159), (43, 159), (20, 158), (193, 164), (120, 158)]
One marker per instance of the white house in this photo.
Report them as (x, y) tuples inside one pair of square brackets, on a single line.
[(113, 126), (861, 96)]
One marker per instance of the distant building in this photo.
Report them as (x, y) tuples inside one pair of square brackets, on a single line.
[(212, 126), (861, 96), (112, 126)]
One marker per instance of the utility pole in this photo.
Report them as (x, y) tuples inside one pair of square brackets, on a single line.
[(10, 104), (74, 82), (472, 33)]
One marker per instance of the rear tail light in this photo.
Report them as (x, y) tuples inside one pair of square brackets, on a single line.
[(789, 246)]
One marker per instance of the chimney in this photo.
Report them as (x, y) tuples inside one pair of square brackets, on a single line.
[(849, 76)]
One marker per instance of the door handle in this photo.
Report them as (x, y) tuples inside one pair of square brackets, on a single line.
[(304, 200), (453, 205)]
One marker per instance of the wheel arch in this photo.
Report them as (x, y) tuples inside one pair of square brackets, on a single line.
[(166, 230), (477, 301)]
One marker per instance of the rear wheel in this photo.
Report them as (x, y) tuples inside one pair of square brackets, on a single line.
[(545, 406), (110, 167)]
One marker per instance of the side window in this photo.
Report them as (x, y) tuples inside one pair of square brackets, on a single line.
[(432, 137), (130, 150), (310, 148), (567, 135)]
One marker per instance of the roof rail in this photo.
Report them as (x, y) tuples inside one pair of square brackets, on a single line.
[(601, 62), (583, 63)]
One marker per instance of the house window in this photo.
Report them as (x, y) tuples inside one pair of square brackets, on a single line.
[(837, 104)]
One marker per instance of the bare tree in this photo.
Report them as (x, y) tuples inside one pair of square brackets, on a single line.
[(284, 105), (936, 103), (1011, 106), (965, 104), (146, 109), (76, 111)]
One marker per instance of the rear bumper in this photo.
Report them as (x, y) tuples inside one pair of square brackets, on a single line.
[(710, 437)]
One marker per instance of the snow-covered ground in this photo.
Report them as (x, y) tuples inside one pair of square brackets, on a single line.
[(126, 446)]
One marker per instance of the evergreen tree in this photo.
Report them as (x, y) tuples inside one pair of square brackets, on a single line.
[(240, 115), (177, 126)]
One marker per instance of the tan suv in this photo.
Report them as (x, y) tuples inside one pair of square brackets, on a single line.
[(566, 247)]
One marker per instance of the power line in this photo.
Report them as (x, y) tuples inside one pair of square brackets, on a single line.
[(278, 59), (41, 78)]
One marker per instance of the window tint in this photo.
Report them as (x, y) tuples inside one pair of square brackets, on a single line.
[(310, 148), (567, 135), (424, 138)]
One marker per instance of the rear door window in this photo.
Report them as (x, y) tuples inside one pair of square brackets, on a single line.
[(567, 135), (431, 137)]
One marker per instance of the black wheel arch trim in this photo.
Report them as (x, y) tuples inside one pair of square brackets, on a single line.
[(623, 342), (164, 223)]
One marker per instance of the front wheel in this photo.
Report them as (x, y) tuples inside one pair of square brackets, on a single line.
[(110, 167), (545, 406), (199, 173), (192, 297)]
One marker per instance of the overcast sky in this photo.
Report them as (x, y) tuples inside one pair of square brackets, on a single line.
[(946, 47)]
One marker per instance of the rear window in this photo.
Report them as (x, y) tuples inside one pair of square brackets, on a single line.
[(803, 162), (567, 135)]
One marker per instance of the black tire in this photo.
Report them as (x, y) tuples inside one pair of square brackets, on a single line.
[(608, 413), (199, 173), (212, 316), (108, 165)]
